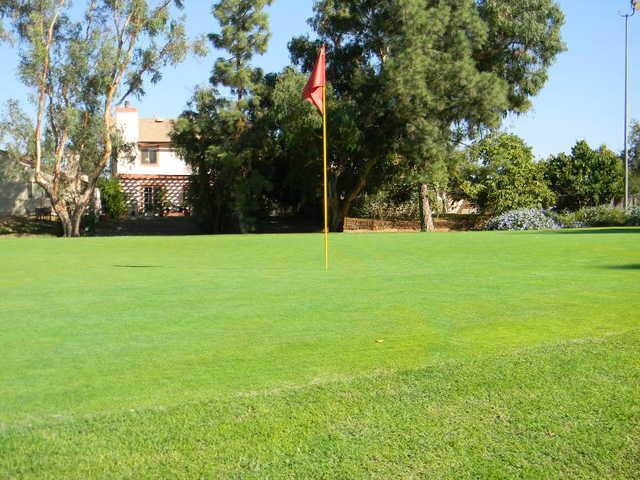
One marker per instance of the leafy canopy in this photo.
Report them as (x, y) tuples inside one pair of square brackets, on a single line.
[(585, 178), (503, 176)]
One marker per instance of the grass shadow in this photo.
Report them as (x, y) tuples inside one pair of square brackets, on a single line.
[(631, 266), (137, 266), (592, 231)]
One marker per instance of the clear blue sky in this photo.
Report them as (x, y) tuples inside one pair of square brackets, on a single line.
[(583, 98)]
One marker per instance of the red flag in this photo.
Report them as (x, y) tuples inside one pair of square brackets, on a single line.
[(313, 91)]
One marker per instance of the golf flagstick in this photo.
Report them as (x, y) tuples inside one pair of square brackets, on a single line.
[(316, 92)]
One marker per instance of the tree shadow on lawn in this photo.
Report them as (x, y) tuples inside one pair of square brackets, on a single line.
[(592, 231), (137, 266), (631, 266)]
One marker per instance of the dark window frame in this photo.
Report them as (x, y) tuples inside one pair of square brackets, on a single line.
[(146, 155), (152, 197)]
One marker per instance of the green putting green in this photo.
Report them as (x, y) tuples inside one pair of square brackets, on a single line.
[(108, 339)]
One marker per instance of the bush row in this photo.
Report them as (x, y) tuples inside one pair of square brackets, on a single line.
[(538, 219)]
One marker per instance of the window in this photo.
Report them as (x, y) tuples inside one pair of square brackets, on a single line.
[(153, 198), (149, 156)]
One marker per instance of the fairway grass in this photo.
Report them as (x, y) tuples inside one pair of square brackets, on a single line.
[(451, 355)]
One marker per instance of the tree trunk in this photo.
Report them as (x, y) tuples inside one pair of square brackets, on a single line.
[(67, 227), (71, 221), (65, 219), (341, 207), (340, 214), (426, 216), (77, 220), (335, 207)]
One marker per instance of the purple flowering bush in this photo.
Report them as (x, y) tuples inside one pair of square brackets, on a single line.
[(523, 219)]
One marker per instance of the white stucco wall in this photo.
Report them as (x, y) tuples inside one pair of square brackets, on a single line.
[(19, 198), (168, 162), (128, 123)]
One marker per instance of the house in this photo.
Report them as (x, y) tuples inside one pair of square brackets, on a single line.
[(152, 176)]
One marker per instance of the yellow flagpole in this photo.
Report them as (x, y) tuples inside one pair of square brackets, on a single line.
[(326, 198)]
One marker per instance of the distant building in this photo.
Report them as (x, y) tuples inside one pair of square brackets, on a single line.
[(20, 195), (152, 177)]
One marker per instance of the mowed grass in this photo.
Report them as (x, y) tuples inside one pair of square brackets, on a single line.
[(451, 355)]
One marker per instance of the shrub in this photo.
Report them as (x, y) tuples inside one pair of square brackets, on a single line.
[(396, 202), (524, 219), (567, 219), (602, 216), (633, 216), (114, 201)]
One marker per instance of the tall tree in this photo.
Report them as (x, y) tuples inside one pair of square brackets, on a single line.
[(244, 33), (217, 136), (78, 69), (423, 75)]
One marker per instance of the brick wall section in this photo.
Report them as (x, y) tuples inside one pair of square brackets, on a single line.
[(133, 187), (458, 222)]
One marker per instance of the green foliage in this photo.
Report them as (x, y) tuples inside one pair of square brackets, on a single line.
[(503, 176), (296, 152), (421, 76), (114, 201), (226, 188), (586, 177), (16, 140), (634, 159), (634, 148), (244, 33), (600, 216), (633, 216), (523, 40), (295, 129), (396, 202)]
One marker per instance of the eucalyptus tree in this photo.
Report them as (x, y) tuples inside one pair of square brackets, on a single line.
[(77, 69), (425, 75), (16, 139)]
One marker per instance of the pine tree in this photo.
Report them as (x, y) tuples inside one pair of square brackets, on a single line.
[(217, 136), (244, 33)]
